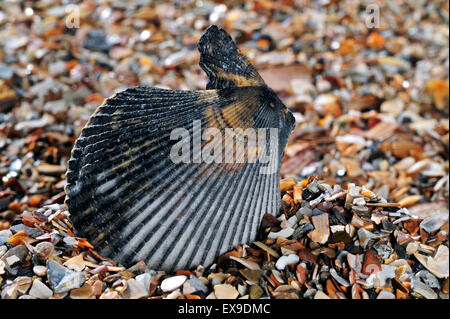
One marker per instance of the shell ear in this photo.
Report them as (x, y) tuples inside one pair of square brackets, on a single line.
[(224, 64)]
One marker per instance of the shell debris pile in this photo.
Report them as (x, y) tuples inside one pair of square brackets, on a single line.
[(365, 178), (339, 243)]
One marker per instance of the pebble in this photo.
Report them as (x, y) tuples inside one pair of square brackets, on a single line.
[(13, 258), (422, 289), (321, 230), (321, 295), (9, 292), (40, 290), (84, 292), (247, 263), (284, 233), (286, 260), (40, 270), (75, 263), (144, 280), (385, 295), (134, 290), (194, 285), (172, 283), (438, 265), (225, 291), (256, 292), (392, 106), (63, 280), (44, 250), (301, 231), (434, 223), (251, 275)]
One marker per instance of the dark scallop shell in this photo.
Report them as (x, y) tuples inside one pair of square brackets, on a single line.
[(132, 202)]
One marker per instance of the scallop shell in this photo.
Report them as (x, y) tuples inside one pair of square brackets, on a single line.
[(129, 198)]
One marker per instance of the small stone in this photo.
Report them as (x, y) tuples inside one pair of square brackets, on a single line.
[(428, 279), (23, 284), (287, 184), (134, 290), (309, 195), (197, 284), (385, 295), (371, 263), (14, 258), (225, 291), (40, 290), (412, 247), (409, 200), (338, 278), (355, 191), (50, 169), (97, 41), (97, 288), (318, 237), (172, 283), (269, 220), (211, 296), (387, 272), (434, 223), (2, 268), (10, 292), (284, 233), (305, 254), (437, 265), (70, 241), (412, 225), (44, 250), (144, 280), (251, 275), (439, 91), (84, 292), (316, 212), (109, 294), (56, 272), (285, 260), (256, 292), (242, 291), (247, 263), (394, 107), (63, 280), (6, 72), (422, 289), (188, 289), (393, 64), (302, 273), (321, 226), (302, 230), (75, 263), (445, 286), (174, 294), (321, 295), (217, 278), (365, 237), (303, 211), (70, 281)]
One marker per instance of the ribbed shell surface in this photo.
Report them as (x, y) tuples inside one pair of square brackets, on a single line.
[(128, 198)]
